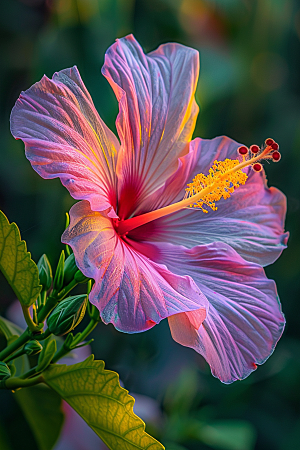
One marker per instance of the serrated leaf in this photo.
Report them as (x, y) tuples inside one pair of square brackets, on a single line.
[(9, 328), (16, 264), (46, 355), (42, 410), (96, 395)]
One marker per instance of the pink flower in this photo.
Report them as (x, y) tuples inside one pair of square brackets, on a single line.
[(201, 271)]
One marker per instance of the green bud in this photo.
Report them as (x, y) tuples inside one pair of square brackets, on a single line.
[(79, 277), (70, 269), (45, 272), (32, 348), (4, 371), (67, 315), (59, 274)]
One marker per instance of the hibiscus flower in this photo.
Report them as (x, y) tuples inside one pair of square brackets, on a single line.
[(155, 251)]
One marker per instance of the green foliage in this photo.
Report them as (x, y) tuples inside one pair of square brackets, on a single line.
[(42, 409), (4, 444), (20, 364), (59, 274), (229, 435), (45, 272), (16, 264), (33, 347), (11, 332), (4, 371), (70, 269), (9, 329), (46, 355), (67, 315), (110, 408)]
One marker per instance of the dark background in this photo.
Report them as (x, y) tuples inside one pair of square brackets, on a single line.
[(249, 89)]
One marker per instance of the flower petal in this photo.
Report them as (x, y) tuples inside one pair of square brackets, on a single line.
[(251, 220), (157, 113), (130, 290), (65, 137), (244, 320)]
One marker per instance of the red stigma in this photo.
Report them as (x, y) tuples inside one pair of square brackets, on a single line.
[(242, 150), (269, 141), (276, 156), (275, 146), (254, 149), (257, 167)]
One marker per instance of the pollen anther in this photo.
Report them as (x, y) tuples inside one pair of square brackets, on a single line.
[(254, 149), (257, 167), (243, 151), (276, 156), (269, 141)]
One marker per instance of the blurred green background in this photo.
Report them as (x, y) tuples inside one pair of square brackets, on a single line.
[(249, 89)]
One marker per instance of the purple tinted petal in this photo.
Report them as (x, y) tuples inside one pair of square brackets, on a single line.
[(131, 291), (244, 320), (251, 220), (64, 137), (157, 112)]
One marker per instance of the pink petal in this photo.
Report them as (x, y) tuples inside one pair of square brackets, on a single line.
[(251, 220), (157, 113), (244, 320), (64, 137), (131, 291)]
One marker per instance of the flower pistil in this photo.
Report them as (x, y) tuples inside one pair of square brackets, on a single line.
[(223, 178)]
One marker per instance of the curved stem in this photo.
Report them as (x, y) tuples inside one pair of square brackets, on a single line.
[(43, 336), (16, 383), (14, 346), (81, 336), (31, 325), (65, 349), (20, 352)]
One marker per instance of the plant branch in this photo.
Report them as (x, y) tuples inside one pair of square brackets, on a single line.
[(15, 345), (17, 383), (65, 349)]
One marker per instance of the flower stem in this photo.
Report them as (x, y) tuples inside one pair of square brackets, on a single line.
[(14, 346), (31, 325), (65, 349), (17, 383), (53, 299)]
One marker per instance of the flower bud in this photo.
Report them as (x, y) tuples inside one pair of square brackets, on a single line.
[(70, 269), (45, 272), (79, 277), (59, 274), (4, 371), (67, 315), (32, 348)]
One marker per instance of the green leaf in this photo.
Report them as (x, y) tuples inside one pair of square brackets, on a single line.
[(46, 355), (9, 329), (98, 398), (42, 410), (229, 435), (16, 264), (11, 332), (4, 444)]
